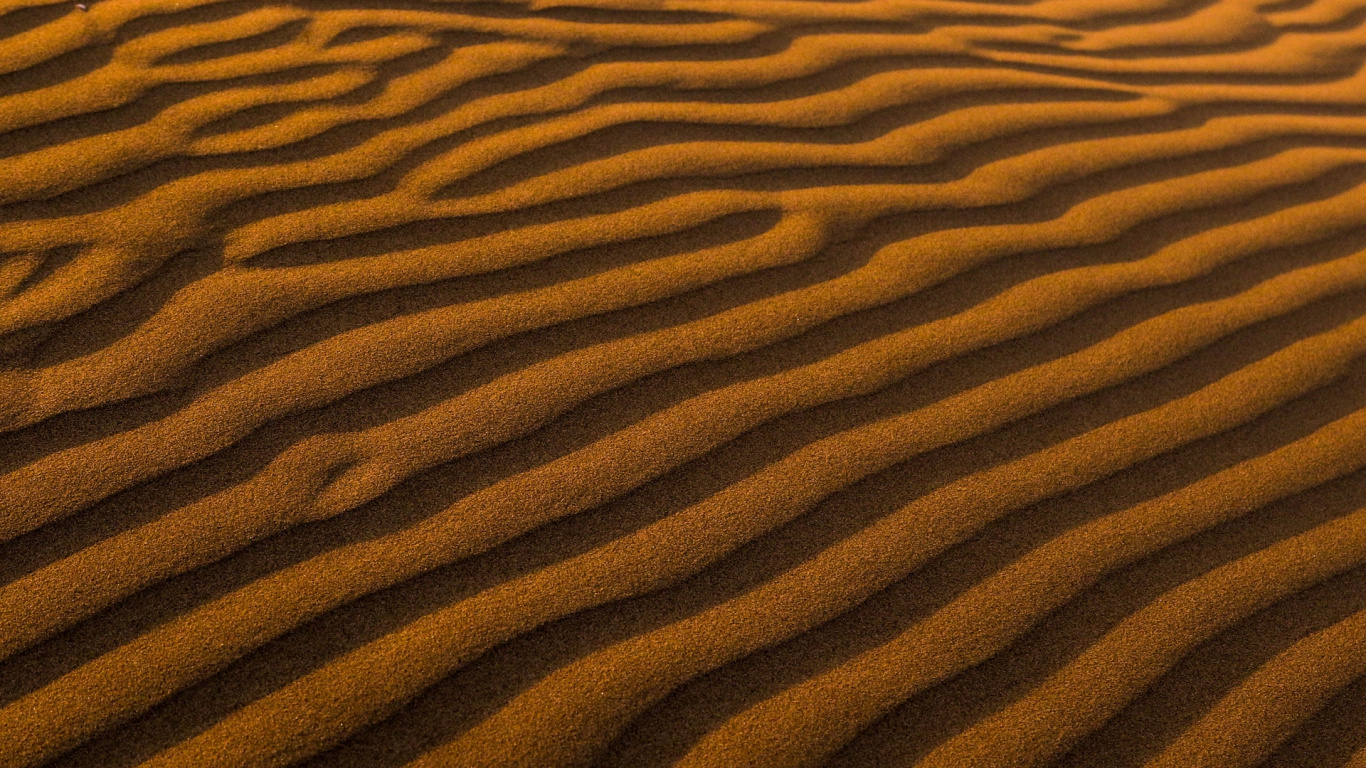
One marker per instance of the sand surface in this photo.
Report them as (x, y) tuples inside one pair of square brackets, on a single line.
[(704, 383)]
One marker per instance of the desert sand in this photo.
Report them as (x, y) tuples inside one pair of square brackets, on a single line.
[(703, 383)]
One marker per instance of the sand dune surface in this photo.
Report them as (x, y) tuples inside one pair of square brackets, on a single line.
[(705, 383)]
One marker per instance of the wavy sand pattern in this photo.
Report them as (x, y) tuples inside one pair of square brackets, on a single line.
[(703, 383)]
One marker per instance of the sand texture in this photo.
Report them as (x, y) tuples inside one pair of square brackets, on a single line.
[(701, 383)]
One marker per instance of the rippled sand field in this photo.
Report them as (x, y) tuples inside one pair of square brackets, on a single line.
[(704, 383)]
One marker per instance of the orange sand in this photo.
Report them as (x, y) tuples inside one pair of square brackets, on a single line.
[(705, 383)]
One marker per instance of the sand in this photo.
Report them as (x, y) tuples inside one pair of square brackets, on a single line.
[(705, 383)]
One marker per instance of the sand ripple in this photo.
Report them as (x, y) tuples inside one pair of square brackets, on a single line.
[(705, 383)]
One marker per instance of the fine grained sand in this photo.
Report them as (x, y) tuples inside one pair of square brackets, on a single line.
[(705, 383)]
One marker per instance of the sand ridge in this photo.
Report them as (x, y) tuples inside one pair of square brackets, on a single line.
[(682, 382)]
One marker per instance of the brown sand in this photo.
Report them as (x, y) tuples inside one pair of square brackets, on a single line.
[(705, 383)]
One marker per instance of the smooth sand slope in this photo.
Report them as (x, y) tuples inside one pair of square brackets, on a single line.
[(706, 383)]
